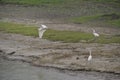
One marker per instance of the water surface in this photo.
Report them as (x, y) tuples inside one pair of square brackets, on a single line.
[(15, 70)]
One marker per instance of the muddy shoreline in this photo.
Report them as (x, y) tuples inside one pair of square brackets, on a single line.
[(28, 72), (7, 57), (40, 52)]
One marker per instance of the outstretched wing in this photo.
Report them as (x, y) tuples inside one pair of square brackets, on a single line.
[(44, 26), (41, 32), (96, 34)]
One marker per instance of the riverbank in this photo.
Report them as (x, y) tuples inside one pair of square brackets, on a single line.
[(10, 69), (72, 56), (42, 52)]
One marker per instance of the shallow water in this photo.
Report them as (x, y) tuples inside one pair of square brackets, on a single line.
[(15, 70)]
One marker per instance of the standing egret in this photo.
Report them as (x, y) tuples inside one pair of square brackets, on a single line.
[(90, 56), (41, 30), (95, 34)]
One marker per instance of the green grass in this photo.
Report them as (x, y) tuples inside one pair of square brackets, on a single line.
[(108, 39), (40, 2), (67, 36), (84, 19), (43, 2), (18, 29), (56, 35), (106, 1), (33, 2), (115, 22), (111, 18)]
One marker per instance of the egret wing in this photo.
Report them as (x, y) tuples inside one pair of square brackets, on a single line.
[(41, 32), (44, 26)]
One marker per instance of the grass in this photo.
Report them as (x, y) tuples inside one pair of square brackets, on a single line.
[(111, 18), (58, 2), (39, 2), (67, 36), (106, 1), (56, 35), (18, 29), (32, 2), (108, 39), (84, 19), (115, 22), (68, 7)]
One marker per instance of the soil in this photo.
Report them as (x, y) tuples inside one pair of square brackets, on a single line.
[(71, 56)]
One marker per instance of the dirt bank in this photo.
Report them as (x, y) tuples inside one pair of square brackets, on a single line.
[(41, 52)]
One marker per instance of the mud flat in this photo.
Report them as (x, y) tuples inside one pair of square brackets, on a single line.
[(22, 71), (71, 56)]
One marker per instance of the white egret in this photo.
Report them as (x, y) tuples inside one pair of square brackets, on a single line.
[(41, 30), (90, 56), (95, 34)]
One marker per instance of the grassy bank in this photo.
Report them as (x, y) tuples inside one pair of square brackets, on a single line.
[(111, 18), (79, 10), (56, 35), (72, 36), (67, 36), (18, 29), (33, 2), (58, 2)]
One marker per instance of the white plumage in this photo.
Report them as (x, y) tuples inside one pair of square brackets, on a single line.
[(95, 34), (44, 26), (41, 30), (90, 56)]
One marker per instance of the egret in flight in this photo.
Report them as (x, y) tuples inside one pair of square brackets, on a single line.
[(90, 56), (95, 34), (41, 30)]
